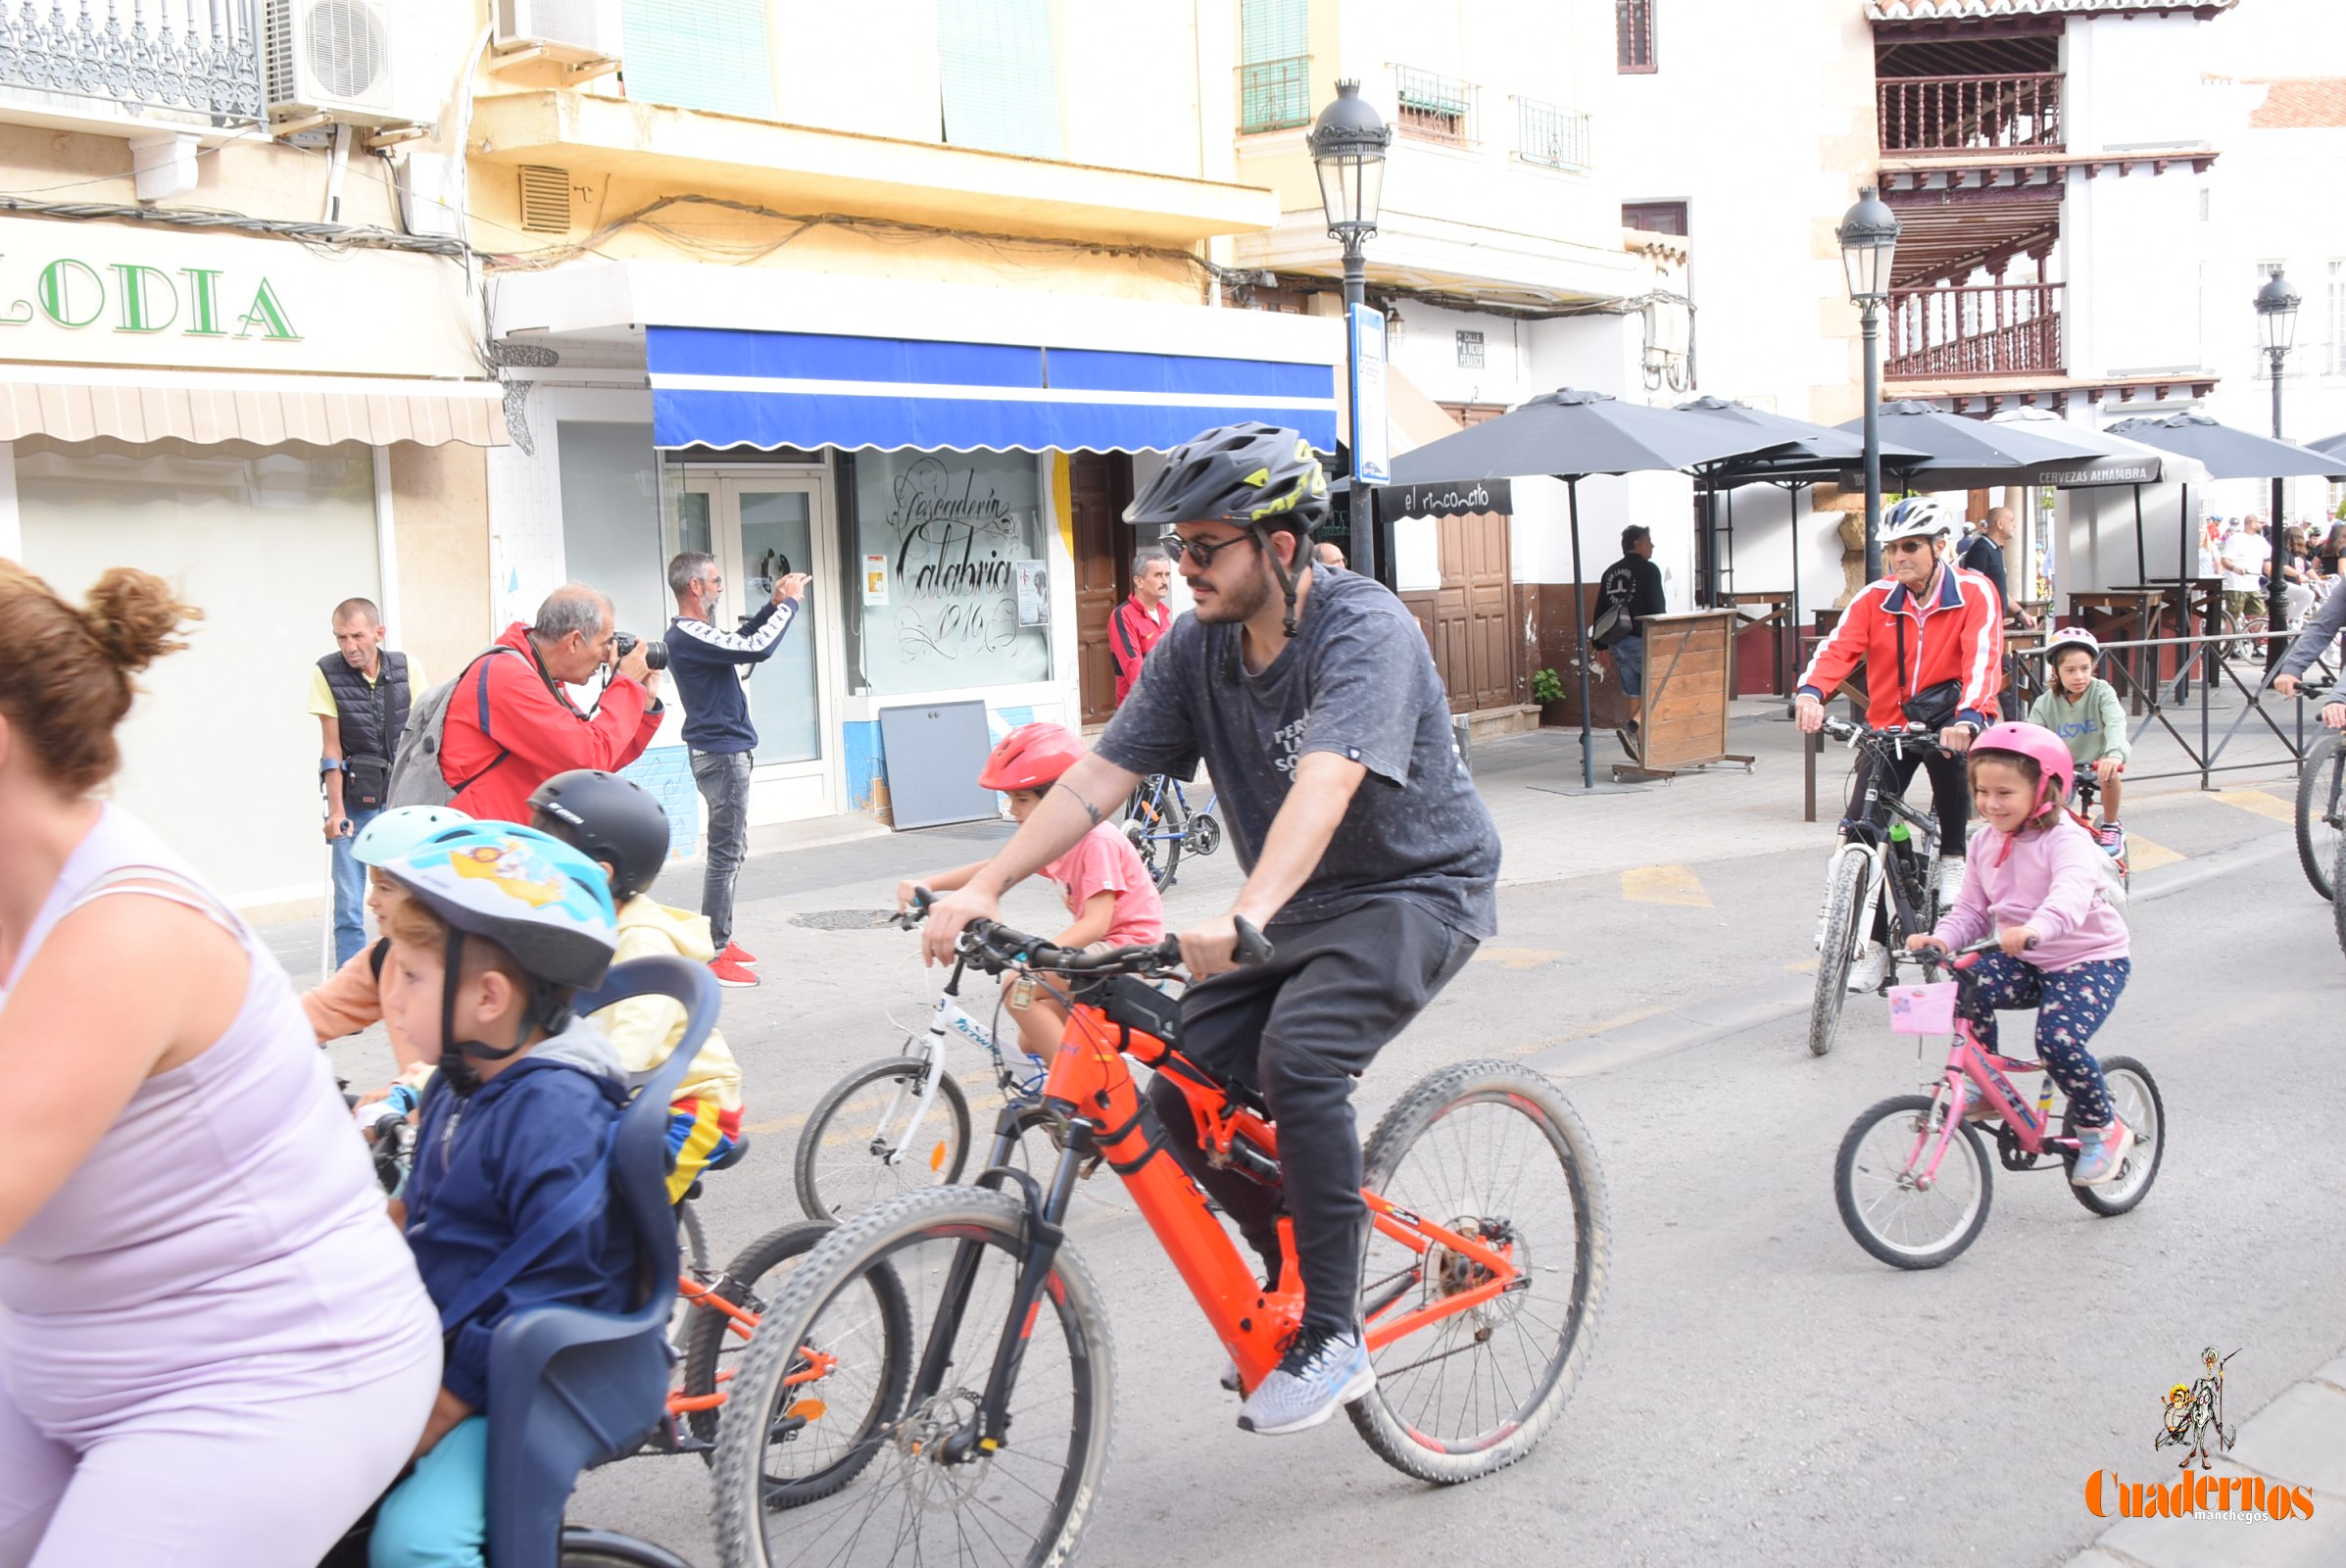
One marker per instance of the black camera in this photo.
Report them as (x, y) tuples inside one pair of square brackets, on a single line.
[(656, 652)]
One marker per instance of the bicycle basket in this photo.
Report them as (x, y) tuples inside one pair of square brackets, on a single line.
[(1924, 1009)]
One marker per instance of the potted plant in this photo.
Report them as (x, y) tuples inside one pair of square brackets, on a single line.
[(1547, 690)]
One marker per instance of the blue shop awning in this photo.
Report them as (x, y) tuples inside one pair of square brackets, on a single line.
[(721, 388)]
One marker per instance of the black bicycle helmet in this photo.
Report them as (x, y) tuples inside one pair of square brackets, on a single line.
[(609, 818), (1259, 476)]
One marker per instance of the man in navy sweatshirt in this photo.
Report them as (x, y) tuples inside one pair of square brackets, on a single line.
[(709, 667)]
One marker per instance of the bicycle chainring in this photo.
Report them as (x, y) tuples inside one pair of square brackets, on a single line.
[(1205, 835)]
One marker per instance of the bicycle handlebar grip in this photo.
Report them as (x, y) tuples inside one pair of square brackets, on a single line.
[(1252, 945)]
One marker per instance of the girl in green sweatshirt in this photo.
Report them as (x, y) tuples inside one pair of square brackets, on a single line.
[(2084, 712)]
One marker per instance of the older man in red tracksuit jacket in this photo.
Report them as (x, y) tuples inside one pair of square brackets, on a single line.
[(1950, 626), (494, 755), (1138, 622)]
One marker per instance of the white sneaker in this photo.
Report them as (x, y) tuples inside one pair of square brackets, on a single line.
[(1950, 880), (1870, 967)]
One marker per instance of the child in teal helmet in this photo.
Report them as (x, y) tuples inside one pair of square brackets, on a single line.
[(501, 925), (351, 998)]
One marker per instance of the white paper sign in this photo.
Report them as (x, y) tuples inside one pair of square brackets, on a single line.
[(875, 579), (1034, 594)]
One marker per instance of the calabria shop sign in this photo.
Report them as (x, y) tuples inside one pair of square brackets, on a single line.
[(133, 297)]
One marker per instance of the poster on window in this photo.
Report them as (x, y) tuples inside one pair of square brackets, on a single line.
[(1034, 594), (954, 529)]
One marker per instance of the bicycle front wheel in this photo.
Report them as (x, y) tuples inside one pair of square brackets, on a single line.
[(1883, 1201), (925, 1496), (862, 1144), (1495, 1153), (1843, 894), (2319, 801)]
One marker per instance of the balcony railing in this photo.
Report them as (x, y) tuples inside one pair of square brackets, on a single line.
[(179, 62), (1550, 135), (1275, 94), (2000, 329), (1970, 114), (1434, 108)]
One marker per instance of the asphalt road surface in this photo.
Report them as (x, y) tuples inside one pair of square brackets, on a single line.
[(1762, 1390)]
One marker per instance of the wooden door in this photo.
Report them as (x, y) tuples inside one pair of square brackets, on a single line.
[(1470, 619), (1099, 488)]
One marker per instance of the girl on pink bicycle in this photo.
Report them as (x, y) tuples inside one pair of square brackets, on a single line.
[(2037, 876)]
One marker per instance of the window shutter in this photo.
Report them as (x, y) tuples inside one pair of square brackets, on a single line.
[(1632, 24), (999, 75), (1273, 29), (699, 54)]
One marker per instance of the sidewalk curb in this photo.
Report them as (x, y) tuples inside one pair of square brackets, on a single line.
[(2297, 1439)]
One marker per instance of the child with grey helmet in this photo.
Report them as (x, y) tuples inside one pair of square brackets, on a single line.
[(2083, 709)]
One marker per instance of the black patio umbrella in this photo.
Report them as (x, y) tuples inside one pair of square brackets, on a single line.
[(2227, 452), (1571, 434), (1807, 454), (1967, 454), (2331, 446)]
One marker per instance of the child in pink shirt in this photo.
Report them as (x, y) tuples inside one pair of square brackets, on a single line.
[(1108, 890), (2035, 878)]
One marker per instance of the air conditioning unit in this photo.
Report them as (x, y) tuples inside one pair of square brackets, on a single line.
[(574, 31), (337, 58)]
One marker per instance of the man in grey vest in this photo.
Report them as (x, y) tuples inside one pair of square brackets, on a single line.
[(361, 695)]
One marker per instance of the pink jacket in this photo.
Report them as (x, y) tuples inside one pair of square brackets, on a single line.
[(2049, 880)]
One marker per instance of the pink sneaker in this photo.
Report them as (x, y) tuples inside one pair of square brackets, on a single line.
[(729, 973)]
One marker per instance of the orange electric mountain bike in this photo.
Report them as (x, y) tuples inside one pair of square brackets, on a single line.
[(1483, 1268)]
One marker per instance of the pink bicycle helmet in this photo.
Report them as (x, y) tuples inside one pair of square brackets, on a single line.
[(2041, 746)]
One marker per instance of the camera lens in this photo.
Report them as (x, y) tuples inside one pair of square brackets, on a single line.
[(656, 655)]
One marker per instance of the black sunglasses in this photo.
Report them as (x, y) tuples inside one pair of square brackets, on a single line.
[(1196, 550)]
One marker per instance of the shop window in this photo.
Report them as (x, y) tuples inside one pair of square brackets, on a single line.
[(266, 543), (998, 73), (611, 519), (1632, 34), (950, 590), (699, 54)]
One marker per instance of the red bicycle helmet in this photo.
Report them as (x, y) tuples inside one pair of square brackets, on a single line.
[(2041, 746), (1030, 757)]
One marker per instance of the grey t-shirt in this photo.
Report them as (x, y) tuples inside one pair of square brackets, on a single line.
[(1356, 680)]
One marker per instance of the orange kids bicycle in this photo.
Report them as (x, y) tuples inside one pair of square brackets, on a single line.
[(1484, 1270)]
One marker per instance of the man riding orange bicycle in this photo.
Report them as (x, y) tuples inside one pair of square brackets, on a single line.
[(1313, 702)]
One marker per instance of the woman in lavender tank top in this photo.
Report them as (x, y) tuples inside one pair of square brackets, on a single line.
[(213, 1347)]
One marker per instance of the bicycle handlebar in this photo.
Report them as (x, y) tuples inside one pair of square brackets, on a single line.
[(1842, 729), (995, 946)]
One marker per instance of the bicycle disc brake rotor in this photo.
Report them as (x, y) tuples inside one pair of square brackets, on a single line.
[(1451, 1273), (921, 1445)]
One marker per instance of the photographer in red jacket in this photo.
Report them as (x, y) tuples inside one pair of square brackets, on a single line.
[(531, 729), (1931, 638)]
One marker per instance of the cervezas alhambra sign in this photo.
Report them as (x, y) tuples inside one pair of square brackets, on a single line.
[(106, 294)]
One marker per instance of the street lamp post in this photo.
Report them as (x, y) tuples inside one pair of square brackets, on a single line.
[(1347, 147), (1869, 236), (2277, 325)]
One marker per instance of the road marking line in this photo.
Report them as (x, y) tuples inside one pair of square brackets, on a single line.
[(2261, 803), (1804, 966), (2144, 855), (780, 1124), (1517, 958), (1597, 1028), (1665, 883)]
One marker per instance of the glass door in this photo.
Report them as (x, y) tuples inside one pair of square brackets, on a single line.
[(761, 529)]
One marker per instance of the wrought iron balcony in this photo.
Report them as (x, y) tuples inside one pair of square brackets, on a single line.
[(1550, 135), (1275, 94), (1970, 114), (176, 64), (1950, 333), (1435, 108)]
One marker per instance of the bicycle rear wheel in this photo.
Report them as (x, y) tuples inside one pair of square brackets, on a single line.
[(712, 1342), (2135, 1097), (2319, 805), (1024, 1502), (1492, 1151), (1841, 913), (1891, 1216), (854, 1151), (1157, 827)]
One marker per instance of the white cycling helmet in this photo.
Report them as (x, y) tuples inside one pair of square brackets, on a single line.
[(2071, 637), (1915, 517)]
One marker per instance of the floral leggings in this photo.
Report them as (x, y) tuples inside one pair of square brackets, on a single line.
[(2070, 1006)]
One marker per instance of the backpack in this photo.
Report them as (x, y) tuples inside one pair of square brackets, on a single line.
[(1613, 623), (416, 776)]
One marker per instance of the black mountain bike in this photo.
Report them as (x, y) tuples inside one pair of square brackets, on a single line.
[(1877, 866)]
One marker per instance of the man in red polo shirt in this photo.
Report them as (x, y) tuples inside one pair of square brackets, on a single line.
[(493, 755), (1141, 620)]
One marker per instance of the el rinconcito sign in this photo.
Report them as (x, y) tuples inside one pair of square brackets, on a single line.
[(102, 294)]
